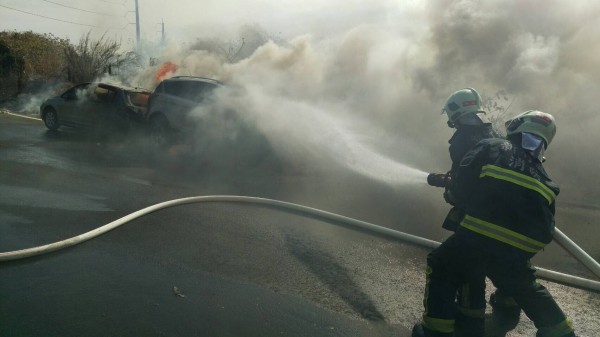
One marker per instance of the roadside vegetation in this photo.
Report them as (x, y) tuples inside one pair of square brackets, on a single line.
[(89, 58), (27, 57), (32, 63)]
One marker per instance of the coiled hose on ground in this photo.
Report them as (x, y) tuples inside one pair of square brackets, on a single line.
[(549, 275)]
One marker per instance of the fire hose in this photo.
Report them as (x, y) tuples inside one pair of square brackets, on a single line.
[(548, 275)]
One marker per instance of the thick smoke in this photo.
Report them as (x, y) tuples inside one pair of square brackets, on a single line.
[(541, 54), (374, 78), (383, 83), (327, 101)]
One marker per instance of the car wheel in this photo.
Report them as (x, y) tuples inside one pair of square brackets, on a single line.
[(51, 119), (160, 132)]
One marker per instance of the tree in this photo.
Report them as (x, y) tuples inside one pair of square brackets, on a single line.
[(40, 52), (89, 59), (251, 37), (26, 56), (497, 108), (8, 60)]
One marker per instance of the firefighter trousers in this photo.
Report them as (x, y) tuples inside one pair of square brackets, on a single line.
[(456, 263)]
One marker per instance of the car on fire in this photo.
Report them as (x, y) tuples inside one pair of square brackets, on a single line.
[(186, 110), (171, 103), (101, 106)]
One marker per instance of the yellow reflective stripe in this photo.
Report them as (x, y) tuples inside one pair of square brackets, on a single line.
[(438, 324), (518, 179), (502, 234), (559, 330)]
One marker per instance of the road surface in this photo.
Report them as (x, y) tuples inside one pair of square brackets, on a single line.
[(214, 269)]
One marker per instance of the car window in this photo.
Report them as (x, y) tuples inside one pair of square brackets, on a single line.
[(76, 92), (192, 90)]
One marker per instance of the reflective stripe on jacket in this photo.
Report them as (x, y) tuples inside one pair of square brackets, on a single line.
[(519, 179), (507, 196), (502, 234)]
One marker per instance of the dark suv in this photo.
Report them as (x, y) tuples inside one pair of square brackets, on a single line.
[(182, 109), (172, 101)]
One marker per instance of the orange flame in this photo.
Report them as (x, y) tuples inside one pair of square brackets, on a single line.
[(166, 69)]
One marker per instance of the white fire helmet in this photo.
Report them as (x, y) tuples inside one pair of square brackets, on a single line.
[(462, 103), (535, 122)]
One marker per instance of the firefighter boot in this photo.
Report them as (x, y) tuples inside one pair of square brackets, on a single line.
[(572, 334), (420, 331), (505, 312), (469, 326)]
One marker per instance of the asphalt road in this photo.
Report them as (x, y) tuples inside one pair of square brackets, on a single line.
[(215, 269)]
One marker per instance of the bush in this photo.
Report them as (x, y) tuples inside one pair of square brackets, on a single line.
[(26, 56), (89, 59)]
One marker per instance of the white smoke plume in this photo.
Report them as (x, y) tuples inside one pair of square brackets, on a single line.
[(381, 83), (540, 53)]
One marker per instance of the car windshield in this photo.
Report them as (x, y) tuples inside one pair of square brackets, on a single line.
[(138, 98), (195, 91)]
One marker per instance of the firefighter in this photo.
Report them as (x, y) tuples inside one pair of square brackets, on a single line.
[(466, 115), (509, 203)]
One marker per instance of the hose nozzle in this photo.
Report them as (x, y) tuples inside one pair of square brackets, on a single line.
[(438, 179)]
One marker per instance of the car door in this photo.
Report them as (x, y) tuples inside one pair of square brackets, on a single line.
[(70, 103), (97, 109)]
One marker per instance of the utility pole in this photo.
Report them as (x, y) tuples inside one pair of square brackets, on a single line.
[(163, 32), (137, 23)]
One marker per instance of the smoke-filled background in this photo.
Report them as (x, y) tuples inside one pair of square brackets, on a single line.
[(355, 86), (333, 81), (378, 80)]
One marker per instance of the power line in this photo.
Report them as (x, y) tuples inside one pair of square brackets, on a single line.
[(65, 21), (79, 9), (47, 17)]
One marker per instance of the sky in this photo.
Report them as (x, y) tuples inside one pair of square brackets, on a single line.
[(347, 76), (185, 18)]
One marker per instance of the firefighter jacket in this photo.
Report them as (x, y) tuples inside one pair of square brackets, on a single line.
[(508, 199), (464, 138)]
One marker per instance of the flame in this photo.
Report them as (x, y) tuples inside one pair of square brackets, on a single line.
[(166, 69)]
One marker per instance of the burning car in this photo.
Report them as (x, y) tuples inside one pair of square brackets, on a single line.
[(185, 110), (101, 106), (172, 101)]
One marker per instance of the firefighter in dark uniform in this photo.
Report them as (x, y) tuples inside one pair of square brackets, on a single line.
[(466, 115), (509, 204)]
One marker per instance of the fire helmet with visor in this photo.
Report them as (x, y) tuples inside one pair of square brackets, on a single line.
[(463, 105), (533, 122)]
